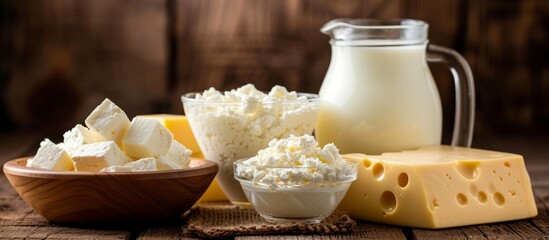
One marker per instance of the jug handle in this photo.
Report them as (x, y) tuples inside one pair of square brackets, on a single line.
[(464, 90)]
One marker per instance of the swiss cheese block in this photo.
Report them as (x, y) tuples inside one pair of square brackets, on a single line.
[(51, 156), (109, 121), (440, 187), (181, 130), (146, 138)]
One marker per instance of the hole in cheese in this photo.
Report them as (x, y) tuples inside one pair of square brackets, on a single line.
[(403, 180), (468, 169), (507, 164), (367, 163), (388, 202), (461, 199), (435, 203), (499, 198), (378, 171), (492, 187), (474, 189), (481, 196)]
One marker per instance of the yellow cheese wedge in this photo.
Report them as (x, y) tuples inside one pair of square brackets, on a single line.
[(440, 187), (181, 130)]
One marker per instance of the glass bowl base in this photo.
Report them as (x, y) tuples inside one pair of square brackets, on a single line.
[(311, 220)]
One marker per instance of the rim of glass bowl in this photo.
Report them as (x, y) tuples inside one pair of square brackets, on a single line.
[(190, 98), (346, 179)]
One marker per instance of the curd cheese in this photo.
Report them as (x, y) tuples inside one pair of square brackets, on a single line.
[(295, 179), (246, 120), (294, 161), (238, 123)]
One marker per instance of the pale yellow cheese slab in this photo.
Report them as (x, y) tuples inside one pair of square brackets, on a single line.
[(440, 187), (181, 130)]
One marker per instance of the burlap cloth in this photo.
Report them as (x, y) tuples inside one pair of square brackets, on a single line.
[(226, 220)]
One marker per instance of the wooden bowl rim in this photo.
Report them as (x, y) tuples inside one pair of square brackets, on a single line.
[(18, 167)]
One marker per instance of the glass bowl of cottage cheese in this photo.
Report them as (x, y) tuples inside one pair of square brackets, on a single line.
[(295, 180), (237, 124)]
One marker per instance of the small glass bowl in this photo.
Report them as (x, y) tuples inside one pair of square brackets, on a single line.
[(228, 131), (294, 199)]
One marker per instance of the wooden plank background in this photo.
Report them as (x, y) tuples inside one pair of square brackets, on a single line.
[(58, 59)]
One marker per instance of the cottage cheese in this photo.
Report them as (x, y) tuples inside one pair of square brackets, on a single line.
[(295, 179), (295, 161), (238, 123)]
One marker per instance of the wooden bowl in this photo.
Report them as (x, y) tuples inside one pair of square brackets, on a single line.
[(86, 197)]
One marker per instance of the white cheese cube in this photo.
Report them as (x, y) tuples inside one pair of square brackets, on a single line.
[(117, 169), (78, 136), (147, 138), (51, 156), (177, 157), (96, 156), (109, 121), (144, 164)]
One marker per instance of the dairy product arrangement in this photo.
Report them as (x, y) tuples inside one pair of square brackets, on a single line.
[(295, 179), (238, 123), (113, 144), (266, 156), (440, 187)]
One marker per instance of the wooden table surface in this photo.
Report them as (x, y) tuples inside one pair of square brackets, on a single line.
[(19, 221)]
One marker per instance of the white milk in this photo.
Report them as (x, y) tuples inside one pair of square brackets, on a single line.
[(378, 99)]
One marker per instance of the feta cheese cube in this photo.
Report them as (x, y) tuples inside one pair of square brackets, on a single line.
[(146, 138), (95, 156), (51, 156), (78, 136), (117, 169), (109, 121), (177, 157), (144, 164)]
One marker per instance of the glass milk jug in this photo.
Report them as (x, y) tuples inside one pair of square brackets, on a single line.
[(379, 95)]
